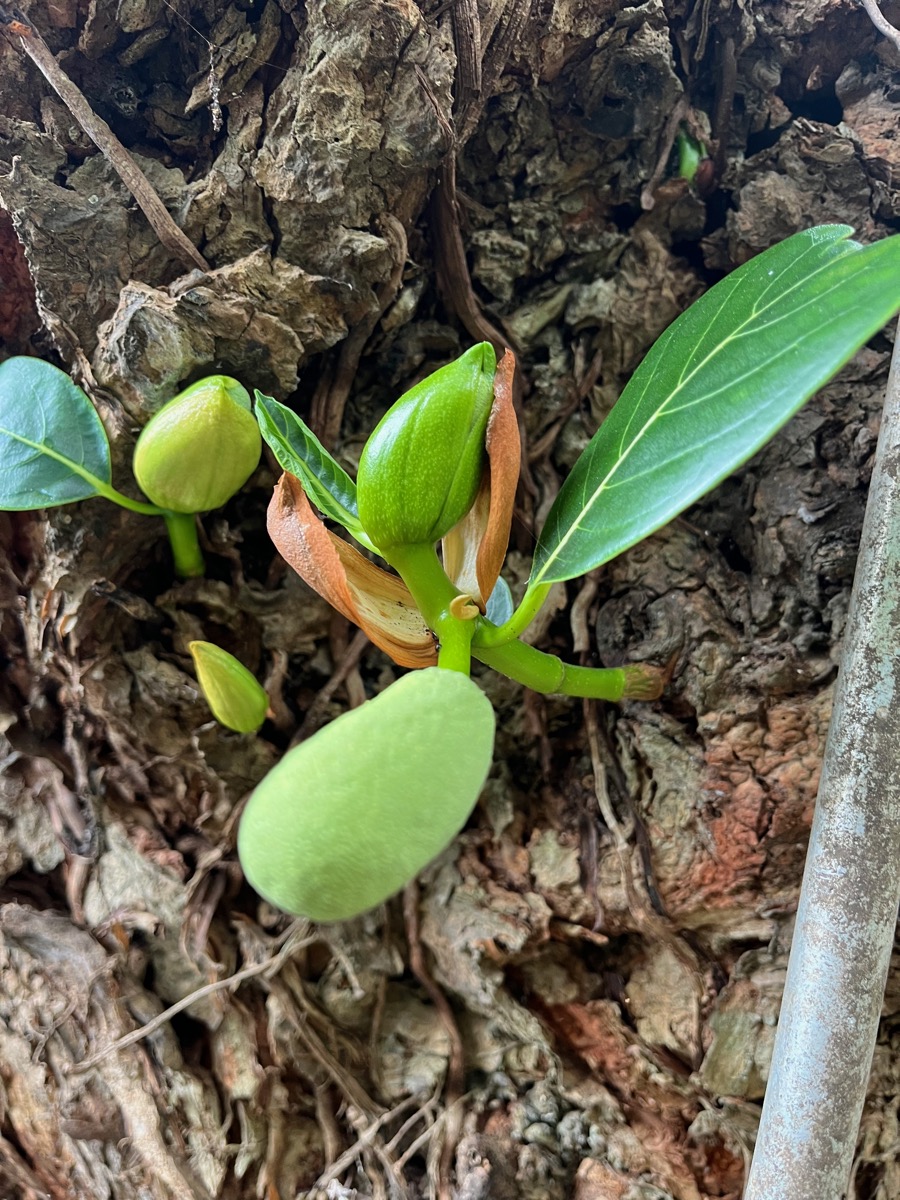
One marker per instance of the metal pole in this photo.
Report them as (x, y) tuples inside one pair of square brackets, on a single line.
[(851, 886)]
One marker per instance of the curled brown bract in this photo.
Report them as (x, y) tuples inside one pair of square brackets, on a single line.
[(475, 548), (379, 603)]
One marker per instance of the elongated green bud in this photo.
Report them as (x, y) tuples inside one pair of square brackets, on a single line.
[(350, 816), (420, 470), (200, 448), (234, 696)]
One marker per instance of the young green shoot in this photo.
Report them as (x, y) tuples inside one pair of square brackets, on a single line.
[(192, 456), (351, 815), (442, 466)]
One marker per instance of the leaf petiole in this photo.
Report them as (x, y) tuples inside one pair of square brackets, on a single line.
[(101, 488), (548, 674), (488, 635), (109, 493)]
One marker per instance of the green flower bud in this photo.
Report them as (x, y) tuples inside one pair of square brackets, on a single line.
[(200, 448), (350, 816), (420, 470), (234, 696)]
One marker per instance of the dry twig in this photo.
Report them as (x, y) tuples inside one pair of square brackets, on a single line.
[(293, 941), (173, 238)]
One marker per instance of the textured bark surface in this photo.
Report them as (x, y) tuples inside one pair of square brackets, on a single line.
[(579, 998)]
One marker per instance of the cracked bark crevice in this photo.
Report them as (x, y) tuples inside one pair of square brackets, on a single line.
[(605, 1048)]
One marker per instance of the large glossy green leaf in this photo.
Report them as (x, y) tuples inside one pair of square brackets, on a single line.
[(715, 387), (53, 447), (300, 452)]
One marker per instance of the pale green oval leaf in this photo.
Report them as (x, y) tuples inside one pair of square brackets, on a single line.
[(350, 816), (53, 447), (300, 452), (722, 379)]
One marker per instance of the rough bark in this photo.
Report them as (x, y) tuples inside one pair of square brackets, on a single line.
[(580, 997)]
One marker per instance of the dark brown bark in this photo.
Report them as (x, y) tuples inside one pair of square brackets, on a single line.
[(610, 934)]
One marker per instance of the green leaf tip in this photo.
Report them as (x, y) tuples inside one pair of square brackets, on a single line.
[(420, 470), (235, 697), (349, 817), (301, 454), (200, 448)]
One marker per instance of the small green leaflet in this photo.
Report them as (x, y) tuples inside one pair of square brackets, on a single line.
[(53, 446), (715, 387), (500, 606), (300, 452)]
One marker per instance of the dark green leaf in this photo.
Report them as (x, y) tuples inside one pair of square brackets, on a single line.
[(300, 452), (722, 379), (53, 447)]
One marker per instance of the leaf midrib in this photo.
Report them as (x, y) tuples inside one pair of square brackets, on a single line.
[(740, 331), (44, 450)]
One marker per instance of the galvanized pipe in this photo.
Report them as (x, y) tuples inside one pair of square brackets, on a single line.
[(851, 886)]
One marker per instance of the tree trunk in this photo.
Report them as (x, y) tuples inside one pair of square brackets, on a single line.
[(579, 998)]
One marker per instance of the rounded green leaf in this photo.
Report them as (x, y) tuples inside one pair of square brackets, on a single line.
[(53, 445), (420, 470), (200, 448), (350, 816), (234, 696)]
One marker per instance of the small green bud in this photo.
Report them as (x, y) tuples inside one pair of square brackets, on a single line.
[(690, 155), (420, 470), (350, 816), (234, 696), (200, 448)]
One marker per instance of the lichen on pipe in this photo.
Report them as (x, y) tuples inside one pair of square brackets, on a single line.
[(851, 886)]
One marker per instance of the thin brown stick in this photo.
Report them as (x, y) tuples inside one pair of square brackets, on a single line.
[(341, 671), (467, 39), (365, 1139), (580, 391), (451, 267), (676, 116), (173, 238), (328, 405), (270, 967), (724, 105)]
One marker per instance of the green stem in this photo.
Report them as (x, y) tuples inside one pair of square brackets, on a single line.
[(109, 493), (546, 673), (421, 571), (182, 530), (488, 635), (106, 490)]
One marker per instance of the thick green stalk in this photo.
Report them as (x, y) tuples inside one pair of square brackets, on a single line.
[(182, 530), (421, 571), (546, 673), (487, 635)]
